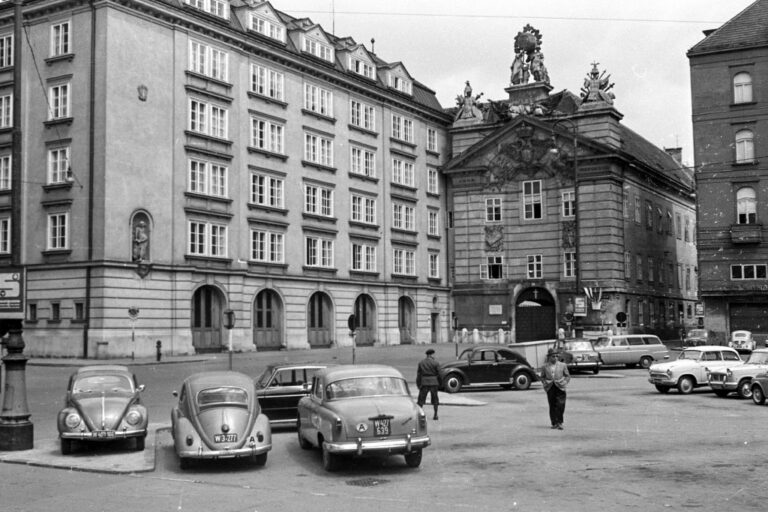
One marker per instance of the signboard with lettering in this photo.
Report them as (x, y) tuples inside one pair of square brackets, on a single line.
[(12, 293), (699, 309), (579, 306), (494, 309)]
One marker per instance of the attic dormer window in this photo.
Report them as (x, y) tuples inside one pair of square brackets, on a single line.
[(361, 67), (316, 48), (267, 27), (399, 83), (218, 8)]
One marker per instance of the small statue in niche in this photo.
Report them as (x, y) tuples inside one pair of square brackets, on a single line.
[(140, 241)]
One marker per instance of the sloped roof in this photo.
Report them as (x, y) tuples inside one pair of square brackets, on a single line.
[(639, 148), (747, 29)]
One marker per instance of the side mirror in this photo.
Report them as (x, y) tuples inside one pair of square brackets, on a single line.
[(141, 388)]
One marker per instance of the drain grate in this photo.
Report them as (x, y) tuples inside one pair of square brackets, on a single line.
[(366, 482)]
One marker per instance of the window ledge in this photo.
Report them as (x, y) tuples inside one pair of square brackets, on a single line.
[(753, 163), (267, 153), (363, 130), (57, 186), (743, 104), (268, 99), (403, 142), (58, 121), (263, 207), (58, 58), (218, 199), (363, 177), (319, 167), (317, 115)]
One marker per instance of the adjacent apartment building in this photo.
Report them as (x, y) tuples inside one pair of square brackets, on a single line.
[(186, 157), (729, 95)]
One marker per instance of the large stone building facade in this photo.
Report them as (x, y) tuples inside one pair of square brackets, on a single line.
[(729, 90), (184, 157), (562, 217)]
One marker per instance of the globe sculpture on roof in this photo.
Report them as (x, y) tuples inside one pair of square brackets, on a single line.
[(529, 61)]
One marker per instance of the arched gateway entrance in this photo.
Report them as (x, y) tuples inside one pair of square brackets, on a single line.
[(535, 316), (207, 304)]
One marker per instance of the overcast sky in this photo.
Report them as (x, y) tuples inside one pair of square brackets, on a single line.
[(443, 43)]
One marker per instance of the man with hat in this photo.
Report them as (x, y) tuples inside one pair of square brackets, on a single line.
[(428, 380), (555, 377)]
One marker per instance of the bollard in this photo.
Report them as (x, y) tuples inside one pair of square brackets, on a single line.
[(159, 348)]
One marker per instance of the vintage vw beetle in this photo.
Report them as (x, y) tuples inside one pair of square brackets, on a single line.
[(361, 410), (103, 403), (218, 417)]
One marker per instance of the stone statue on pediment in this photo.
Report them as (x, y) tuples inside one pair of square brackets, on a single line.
[(467, 104), (528, 61), (597, 87)]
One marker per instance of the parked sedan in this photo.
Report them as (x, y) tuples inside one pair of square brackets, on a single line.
[(360, 410), (579, 355), (103, 403), (487, 366), (739, 378), (742, 341), (280, 388), (692, 367), (696, 338), (218, 417), (759, 388)]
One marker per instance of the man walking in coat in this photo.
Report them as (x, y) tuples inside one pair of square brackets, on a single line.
[(428, 380), (555, 377)]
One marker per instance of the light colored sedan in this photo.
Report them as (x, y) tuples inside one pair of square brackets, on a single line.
[(742, 340), (692, 368), (739, 378), (359, 410)]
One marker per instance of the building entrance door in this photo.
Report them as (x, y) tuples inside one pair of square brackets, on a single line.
[(267, 321), (320, 320), (535, 317), (207, 304)]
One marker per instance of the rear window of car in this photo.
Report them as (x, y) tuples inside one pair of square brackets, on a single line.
[(730, 356), (578, 345), (365, 387), (635, 340), (222, 396), (651, 340), (102, 383)]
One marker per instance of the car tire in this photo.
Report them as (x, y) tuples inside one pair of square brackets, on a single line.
[(722, 393), (685, 385), (662, 389), (140, 443), (330, 460), (522, 381), (646, 362), (744, 389), (452, 383), (413, 458), (67, 446), (757, 395), (259, 460)]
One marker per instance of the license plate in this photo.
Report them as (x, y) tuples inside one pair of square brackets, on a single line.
[(106, 434), (381, 427), (225, 438)]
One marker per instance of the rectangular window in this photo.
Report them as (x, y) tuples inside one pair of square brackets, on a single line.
[(650, 269), (432, 140), (433, 224), (55, 312), (569, 203), (687, 231), (31, 312), (362, 115), (207, 178), (638, 218), (627, 266), (60, 39), (639, 267), (318, 200), (319, 252), (318, 100), (218, 8), (267, 82), (738, 273), (678, 226), (493, 209), (400, 84), (58, 96), (207, 239), (403, 217), (267, 246), (493, 268), (569, 264), (432, 181), (267, 135), (534, 266), (404, 262), (363, 162), (208, 119), (208, 61), (362, 68), (434, 266), (648, 215), (6, 111), (267, 191), (58, 231), (363, 209), (79, 312), (5, 172), (267, 28), (363, 257), (6, 51), (5, 235), (532, 200), (403, 172), (318, 150), (316, 48), (58, 165), (402, 128)]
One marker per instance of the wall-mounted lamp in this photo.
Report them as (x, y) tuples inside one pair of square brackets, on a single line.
[(71, 178)]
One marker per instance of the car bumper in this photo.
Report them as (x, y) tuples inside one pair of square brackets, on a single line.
[(105, 435), (727, 386), (662, 380), (360, 446), (584, 365), (224, 454)]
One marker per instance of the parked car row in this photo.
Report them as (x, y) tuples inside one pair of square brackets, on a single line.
[(345, 410)]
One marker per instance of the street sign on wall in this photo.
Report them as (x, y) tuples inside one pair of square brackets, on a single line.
[(579, 306), (12, 293)]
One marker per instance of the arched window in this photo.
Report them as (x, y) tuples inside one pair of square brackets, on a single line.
[(745, 147), (746, 206), (742, 88)]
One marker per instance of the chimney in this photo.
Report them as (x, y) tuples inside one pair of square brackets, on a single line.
[(676, 153)]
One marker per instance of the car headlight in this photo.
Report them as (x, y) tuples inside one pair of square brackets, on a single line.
[(72, 420), (669, 373), (729, 372), (133, 418)]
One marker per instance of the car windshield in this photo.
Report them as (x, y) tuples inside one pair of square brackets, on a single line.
[(578, 345), (366, 386), (263, 379), (758, 358), (690, 354), (222, 396), (102, 384), (602, 342)]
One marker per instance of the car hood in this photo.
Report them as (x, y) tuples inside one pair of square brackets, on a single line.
[(354, 412), (459, 363), (102, 411), (224, 420), (678, 364)]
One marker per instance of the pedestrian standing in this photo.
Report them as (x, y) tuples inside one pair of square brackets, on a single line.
[(555, 377), (428, 380)]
